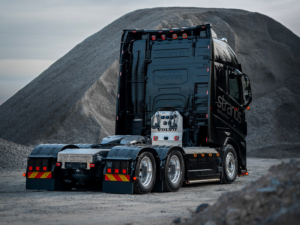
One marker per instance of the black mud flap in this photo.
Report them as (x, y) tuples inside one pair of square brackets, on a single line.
[(40, 184), (158, 186), (117, 187)]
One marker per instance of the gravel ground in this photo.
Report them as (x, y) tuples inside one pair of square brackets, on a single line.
[(86, 206)]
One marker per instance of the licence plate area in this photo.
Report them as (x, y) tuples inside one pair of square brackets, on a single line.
[(75, 165)]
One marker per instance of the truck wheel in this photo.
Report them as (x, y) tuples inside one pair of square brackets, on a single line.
[(146, 173), (173, 172), (230, 165)]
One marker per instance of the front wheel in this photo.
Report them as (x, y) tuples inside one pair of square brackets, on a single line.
[(146, 173), (230, 165), (174, 171)]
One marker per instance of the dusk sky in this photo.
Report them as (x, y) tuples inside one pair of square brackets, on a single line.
[(35, 33)]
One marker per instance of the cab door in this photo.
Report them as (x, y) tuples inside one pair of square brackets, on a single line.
[(235, 109)]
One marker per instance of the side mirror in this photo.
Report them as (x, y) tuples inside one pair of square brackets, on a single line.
[(247, 91)]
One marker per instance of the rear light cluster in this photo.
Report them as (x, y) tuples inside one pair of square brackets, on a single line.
[(39, 164), (117, 167)]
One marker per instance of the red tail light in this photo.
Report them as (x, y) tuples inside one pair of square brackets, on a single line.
[(92, 165), (109, 170), (58, 164), (163, 37), (44, 168), (124, 171), (153, 37), (37, 168), (176, 138), (155, 138), (116, 170), (30, 167)]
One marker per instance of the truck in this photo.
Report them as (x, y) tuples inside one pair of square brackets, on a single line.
[(180, 119)]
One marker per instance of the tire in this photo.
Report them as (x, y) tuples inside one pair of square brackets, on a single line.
[(174, 172), (230, 165), (146, 174)]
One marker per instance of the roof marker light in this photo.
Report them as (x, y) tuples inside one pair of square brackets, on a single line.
[(171, 31), (174, 36), (203, 26), (134, 31), (160, 31), (184, 35), (182, 30)]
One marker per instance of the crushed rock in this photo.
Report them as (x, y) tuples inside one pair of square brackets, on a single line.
[(272, 199), (13, 157)]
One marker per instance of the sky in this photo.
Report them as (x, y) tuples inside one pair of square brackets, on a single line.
[(36, 33)]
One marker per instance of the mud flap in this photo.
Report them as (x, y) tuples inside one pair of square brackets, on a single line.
[(117, 187), (40, 184), (158, 186)]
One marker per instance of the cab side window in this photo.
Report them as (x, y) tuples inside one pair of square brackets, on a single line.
[(235, 88)]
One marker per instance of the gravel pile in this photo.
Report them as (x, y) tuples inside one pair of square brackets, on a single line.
[(13, 157), (73, 101), (272, 199)]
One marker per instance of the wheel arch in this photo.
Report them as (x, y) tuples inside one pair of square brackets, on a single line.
[(237, 148)]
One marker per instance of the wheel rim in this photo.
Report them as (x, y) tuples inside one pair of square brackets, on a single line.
[(174, 169), (230, 165), (146, 170)]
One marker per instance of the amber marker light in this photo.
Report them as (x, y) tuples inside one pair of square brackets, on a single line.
[(248, 107), (195, 155), (217, 154), (134, 178), (210, 155), (174, 36), (24, 174), (184, 35), (247, 174), (202, 155)]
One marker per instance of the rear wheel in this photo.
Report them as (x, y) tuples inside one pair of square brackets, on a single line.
[(145, 172), (230, 165), (173, 172)]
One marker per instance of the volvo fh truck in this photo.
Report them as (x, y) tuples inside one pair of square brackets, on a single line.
[(180, 118)]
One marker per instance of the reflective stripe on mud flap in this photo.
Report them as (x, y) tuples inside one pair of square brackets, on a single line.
[(117, 177), (42, 175)]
